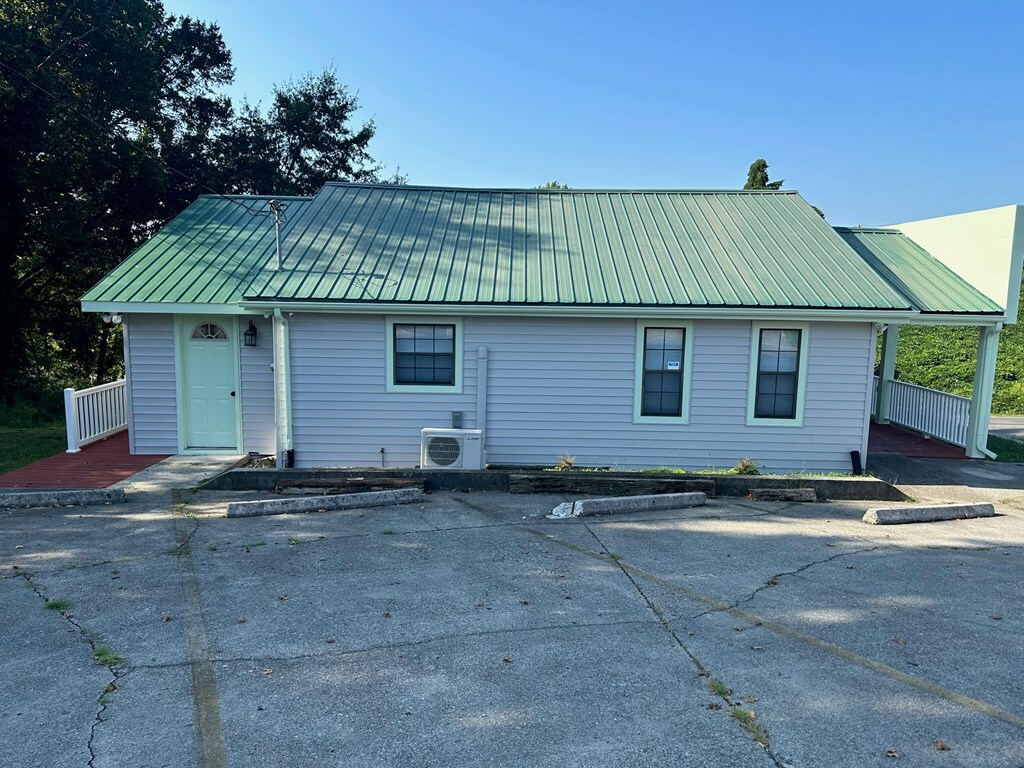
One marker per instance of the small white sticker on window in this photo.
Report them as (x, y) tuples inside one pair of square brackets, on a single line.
[(672, 365)]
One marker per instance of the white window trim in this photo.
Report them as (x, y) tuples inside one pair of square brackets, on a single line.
[(801, 380), (687, 362), (389, 332)]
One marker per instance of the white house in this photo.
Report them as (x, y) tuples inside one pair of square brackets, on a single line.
[(626, 328)]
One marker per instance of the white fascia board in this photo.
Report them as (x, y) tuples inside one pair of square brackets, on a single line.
[(578, 310), (161, 308)]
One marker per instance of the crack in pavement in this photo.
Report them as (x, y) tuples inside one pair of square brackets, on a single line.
[(702, 671), (341, 653), (773, 580), (117, 670), (837, 651)]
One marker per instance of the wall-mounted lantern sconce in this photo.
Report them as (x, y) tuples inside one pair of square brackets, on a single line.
[(251, 334)]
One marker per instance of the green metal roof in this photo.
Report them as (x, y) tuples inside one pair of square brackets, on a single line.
[(356, 243), (207, 254), (579, 247), (928, 283)]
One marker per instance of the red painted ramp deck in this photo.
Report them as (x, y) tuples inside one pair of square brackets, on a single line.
[(96, 466), (888, 438)]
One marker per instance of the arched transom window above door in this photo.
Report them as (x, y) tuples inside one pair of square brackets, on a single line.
[(209, 332)]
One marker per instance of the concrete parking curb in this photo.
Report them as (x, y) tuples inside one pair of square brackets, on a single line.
[(587, 507), (62, 498), (926, 513), (323, 503)]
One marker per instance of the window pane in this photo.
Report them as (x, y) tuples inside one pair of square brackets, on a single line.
[(787, 362), (765, 406), (790, 341), (769, 361), (770, 340), (674, 338), (785, 385), (655, 361), (424, 354), (767, 384), (784, 406)]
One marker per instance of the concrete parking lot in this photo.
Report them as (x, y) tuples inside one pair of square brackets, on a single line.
[(468, 630)]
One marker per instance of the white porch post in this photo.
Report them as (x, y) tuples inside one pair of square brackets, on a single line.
[(981, 399), (886, 372)]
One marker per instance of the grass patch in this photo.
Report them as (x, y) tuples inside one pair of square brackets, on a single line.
[(59, 605), (717, 688), (260, 543), (745, 717), (106, 657), (1005, 449), (23, 445)]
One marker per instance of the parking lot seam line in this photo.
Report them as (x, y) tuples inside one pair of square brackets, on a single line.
[(211, 751), (842, 653), (666, 624), (117, 670)]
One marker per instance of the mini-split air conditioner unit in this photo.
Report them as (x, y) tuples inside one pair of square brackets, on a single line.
[(451, 449)]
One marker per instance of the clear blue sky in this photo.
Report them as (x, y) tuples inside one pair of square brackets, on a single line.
[(876, 112)]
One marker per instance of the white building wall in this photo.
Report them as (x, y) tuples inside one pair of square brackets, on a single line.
[(257, 388), (565, 386), (152, 390)]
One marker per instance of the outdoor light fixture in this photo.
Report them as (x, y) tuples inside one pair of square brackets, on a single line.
[(251, 334), (115, 319)]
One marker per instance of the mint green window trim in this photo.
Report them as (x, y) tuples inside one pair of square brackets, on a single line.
[(458, 343), (801, 373), (685, 369)]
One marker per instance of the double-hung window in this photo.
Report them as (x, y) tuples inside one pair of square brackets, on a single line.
[(778, 373), (424, 356), (663, 372)]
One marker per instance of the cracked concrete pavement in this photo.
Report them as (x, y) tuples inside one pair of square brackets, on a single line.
[(469, 630)]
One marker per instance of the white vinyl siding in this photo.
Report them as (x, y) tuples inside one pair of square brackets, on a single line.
[(567, 386), (150, 371), (257, 390)]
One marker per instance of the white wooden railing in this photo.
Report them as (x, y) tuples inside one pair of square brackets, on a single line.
[(94, 413), (931, 411)]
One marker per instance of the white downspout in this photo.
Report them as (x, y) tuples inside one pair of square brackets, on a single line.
[(283, 378), (481, 400)]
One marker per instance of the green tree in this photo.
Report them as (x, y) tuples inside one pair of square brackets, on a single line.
[(302, 141), (553, 185), (757, 176), (111, 122)]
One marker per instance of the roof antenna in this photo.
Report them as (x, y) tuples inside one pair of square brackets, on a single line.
[(276, 210)]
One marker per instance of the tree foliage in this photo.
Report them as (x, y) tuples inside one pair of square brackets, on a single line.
[(553, 185), (757, 176), (111, 122)]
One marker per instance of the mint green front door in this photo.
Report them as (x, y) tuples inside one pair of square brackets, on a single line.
[(210, 385)]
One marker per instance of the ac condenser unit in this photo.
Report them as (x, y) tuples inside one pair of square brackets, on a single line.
[(451, 449)]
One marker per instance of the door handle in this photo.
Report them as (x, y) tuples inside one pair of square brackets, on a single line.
[(232, 393)]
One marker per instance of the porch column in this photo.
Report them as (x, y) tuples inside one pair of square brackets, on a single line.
[(981, 399), (886, 372)]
